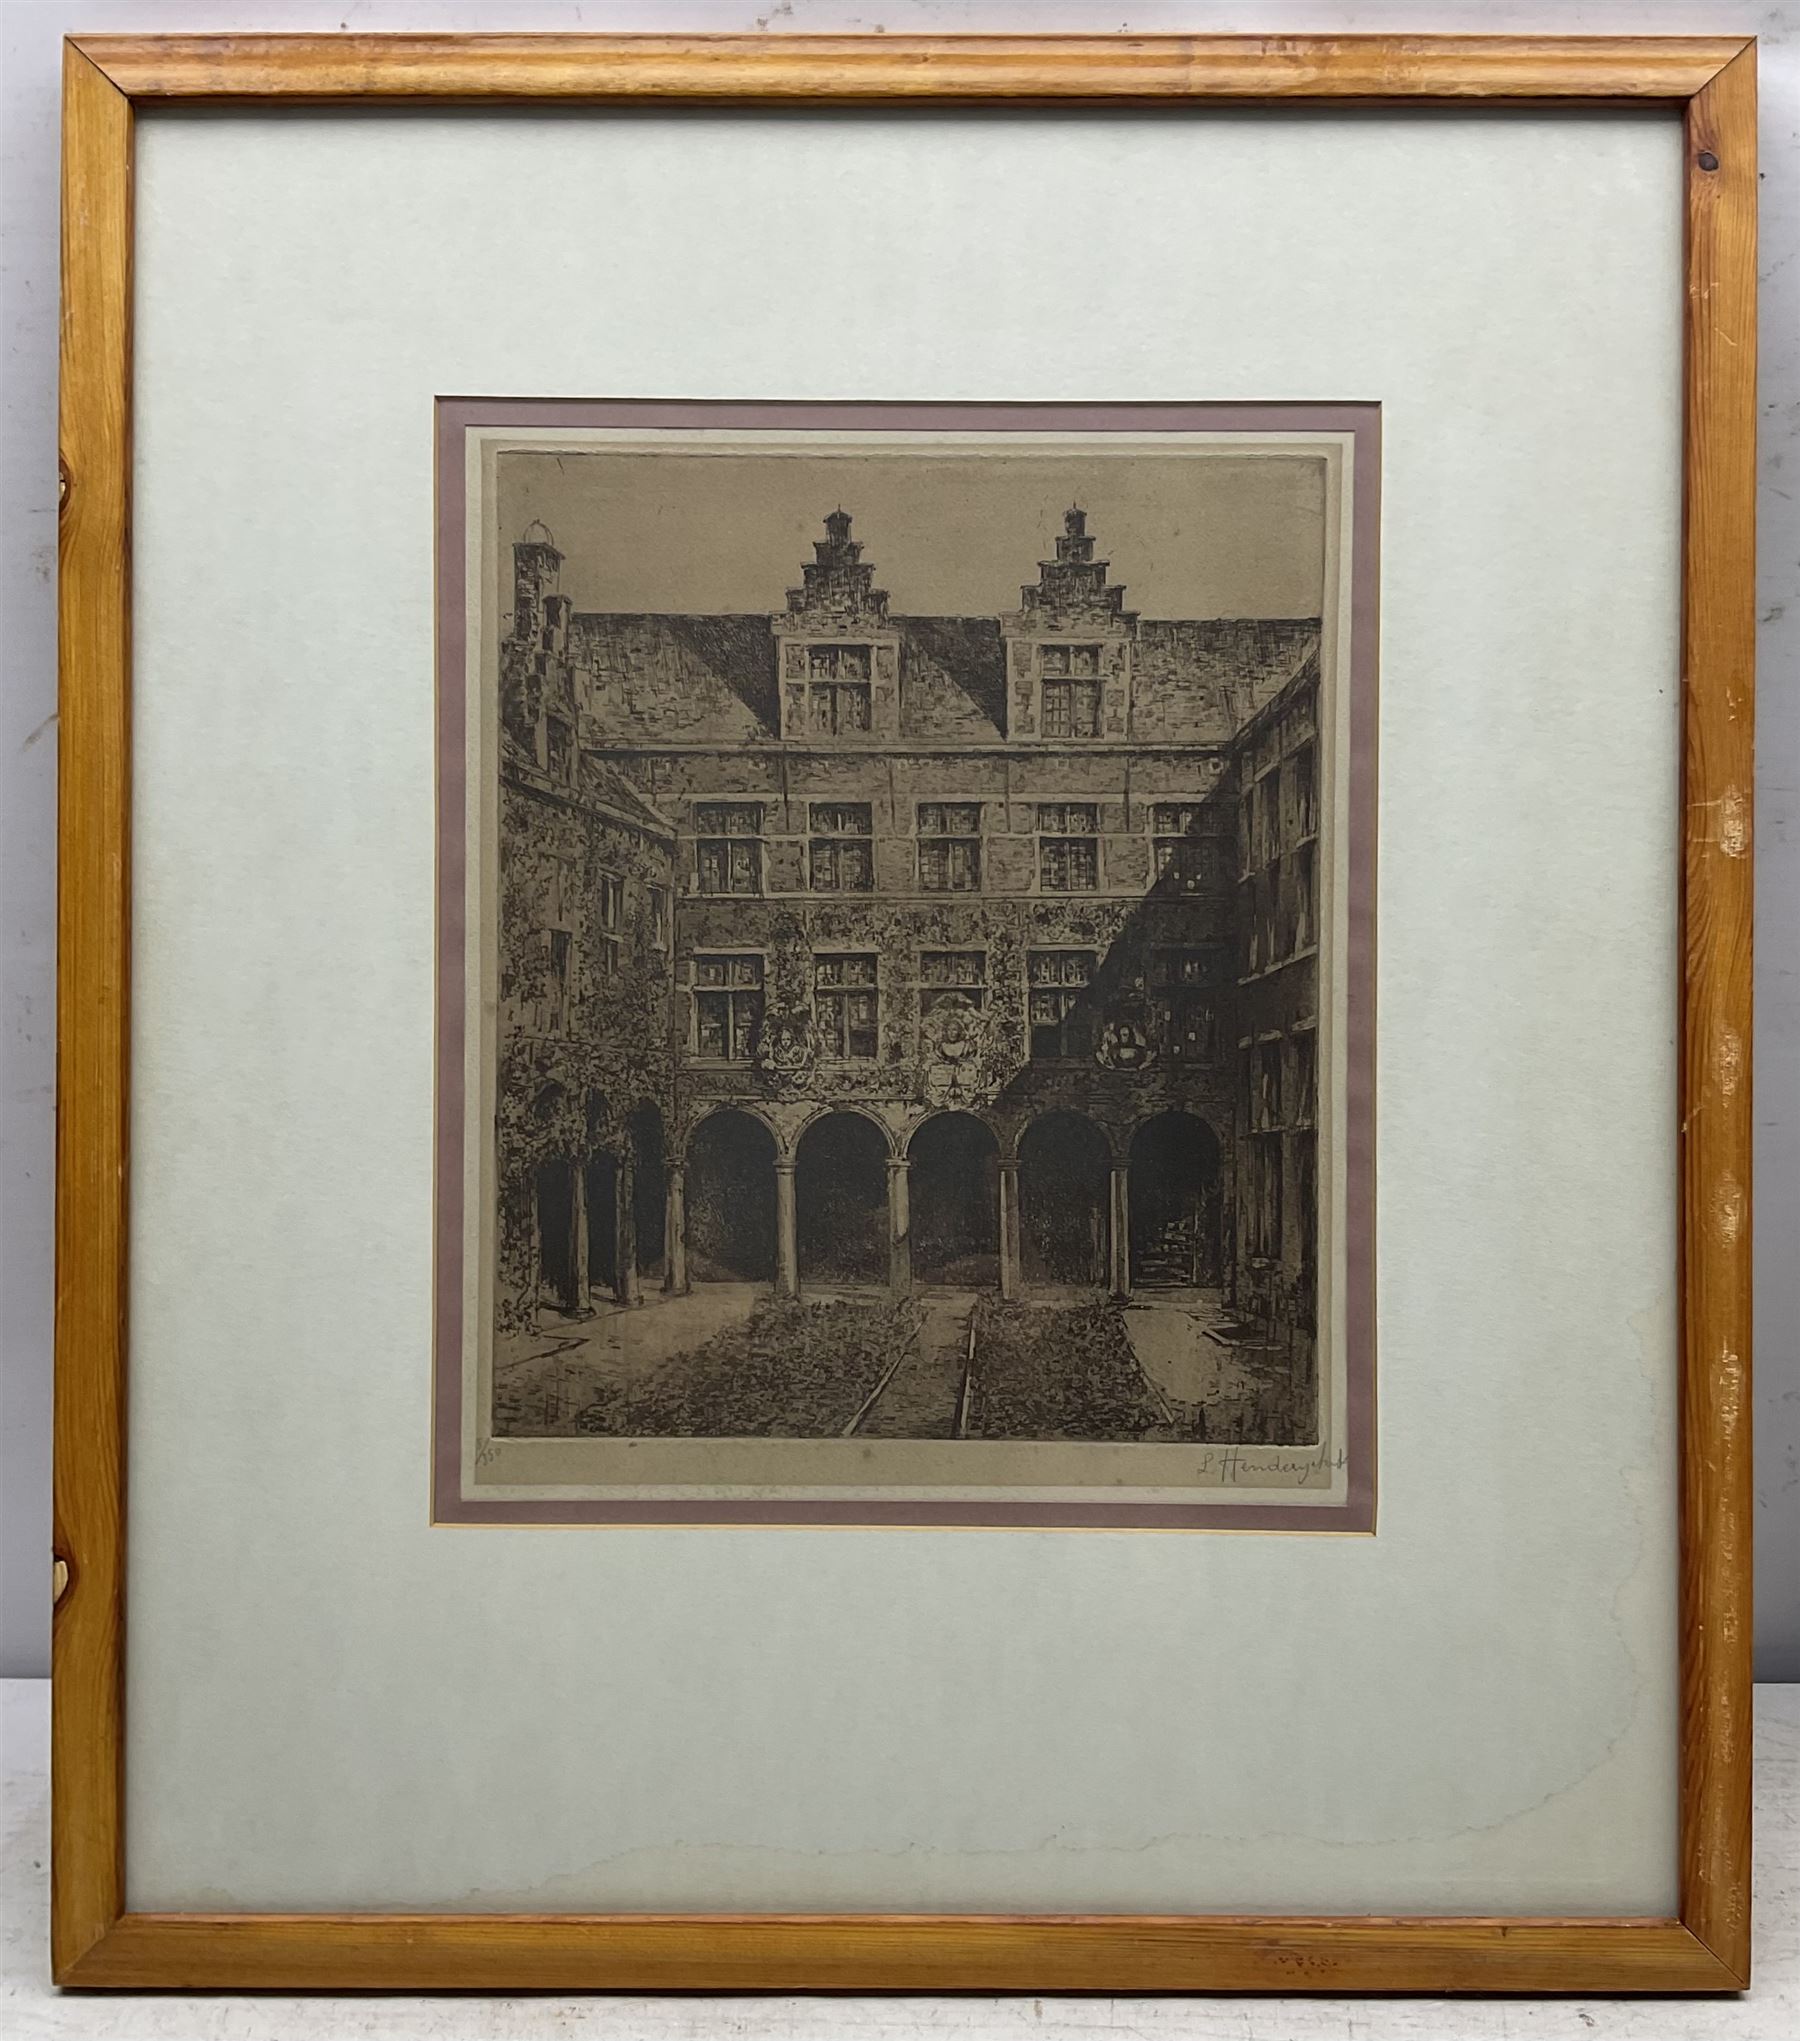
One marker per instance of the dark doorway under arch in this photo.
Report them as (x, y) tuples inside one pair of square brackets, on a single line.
[(840, 1201), (954, 1202), (555, 1195), (1064, 1171), (649, 1190), (731, 1200), (1174, 1203), (601, 1184)]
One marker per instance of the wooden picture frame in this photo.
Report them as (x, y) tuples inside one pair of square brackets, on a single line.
[(96, 1941)]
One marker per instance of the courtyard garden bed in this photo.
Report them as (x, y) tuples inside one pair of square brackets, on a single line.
[(792, 1370), (1060, 1374)]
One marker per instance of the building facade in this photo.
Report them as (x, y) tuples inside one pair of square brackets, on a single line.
[(1275, 1268), (584, 907), (846, 947)]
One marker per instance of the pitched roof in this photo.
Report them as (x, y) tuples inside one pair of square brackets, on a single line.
[(703, 679), (607, 783), (1204, 680)]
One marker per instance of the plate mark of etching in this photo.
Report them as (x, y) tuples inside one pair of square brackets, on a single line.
[(908, 1018)]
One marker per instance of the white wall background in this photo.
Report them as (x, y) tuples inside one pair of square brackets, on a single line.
[(30, 33)]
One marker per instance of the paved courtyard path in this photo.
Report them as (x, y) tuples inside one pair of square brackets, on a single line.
[(545, 1377), (920, 1399), (1177, 1336)]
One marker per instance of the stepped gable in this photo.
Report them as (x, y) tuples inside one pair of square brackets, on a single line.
[(837, 585), (1072, 589)]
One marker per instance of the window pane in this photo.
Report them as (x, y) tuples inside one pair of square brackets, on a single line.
[(1059, 967), (963, 969), (1058, 717), (841, 819), (949, 818), (721, 818), (746, 1018), (712, 1029)]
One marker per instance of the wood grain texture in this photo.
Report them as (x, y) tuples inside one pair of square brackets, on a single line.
[(92, 977), (1718, 714), (94, 1942), (816, 68), (637, 1952)]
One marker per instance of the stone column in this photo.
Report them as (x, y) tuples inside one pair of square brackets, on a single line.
[(625, 1211), (899, 1225), (787, 1237), (1120, 1234), (1010, 1281), (675, 1275)]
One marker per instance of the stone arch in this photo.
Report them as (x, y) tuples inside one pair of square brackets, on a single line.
[(682, 1150), (893, 1144)]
